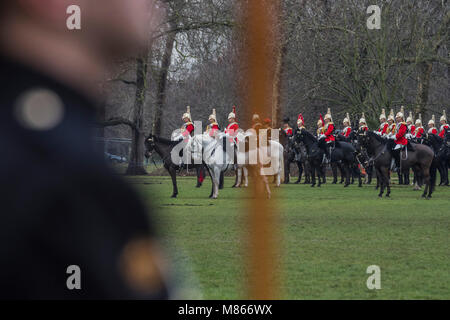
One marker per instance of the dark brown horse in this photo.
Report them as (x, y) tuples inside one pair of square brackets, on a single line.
[(379, 149)]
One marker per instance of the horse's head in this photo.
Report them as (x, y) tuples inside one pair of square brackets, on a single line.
[(363, 138)]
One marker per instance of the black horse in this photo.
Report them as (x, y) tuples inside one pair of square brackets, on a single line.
[(379, 149), (343, 152), (293, 154), (441, 152), (163, 147)]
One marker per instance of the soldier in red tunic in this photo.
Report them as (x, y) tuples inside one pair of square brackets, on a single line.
[(400, 140), (188, 127), (347, 129), (231, 131), (328, 131), (362, 124), (300, 122), (213, 126), (286, 128), (444, 125), (431, 126), (418, 134), (384, 126), (411, 126)]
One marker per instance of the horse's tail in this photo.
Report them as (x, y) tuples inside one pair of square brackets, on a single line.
[(282, 164)]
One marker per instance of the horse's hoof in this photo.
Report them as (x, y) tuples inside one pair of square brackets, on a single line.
[(334, 182), (360, 186), (346, 185), (174, 196), (297, 182), (380, 195), (424, 196), (312, 186)]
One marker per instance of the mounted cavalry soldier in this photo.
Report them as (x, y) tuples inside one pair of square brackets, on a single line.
[(399, 138), (286, 128), (418, 133), (347, 128), (188, 127), (391, 122), (384, 126), (300, 122), (256, 123), (411, 126), (444, 125), (320, 127), (363, 124), (327, 134), (431, 126), (213, 126)]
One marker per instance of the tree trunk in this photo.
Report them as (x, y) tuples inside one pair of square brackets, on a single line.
[(423, 86), (162, 83), (136, 163)]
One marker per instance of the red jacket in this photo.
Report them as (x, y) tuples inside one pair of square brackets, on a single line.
[(419, 132), (365, 128), (232, 129), (412, 129), (329, 132), (443, 128), (212, 129), (189, 127), (346, 132), (383, 129), (288, 132), (432, 131), (400, 136)]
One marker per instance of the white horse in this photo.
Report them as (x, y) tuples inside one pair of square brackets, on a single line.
[(210, 150)]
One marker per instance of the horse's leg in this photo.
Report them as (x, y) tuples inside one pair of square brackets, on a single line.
[(347, 171), (334, 170), (216, 182), (313, 176), (382, 179), (319, 174), (287, 170), (245, 171), (222, 181), (173, 175), (211, 174), (343, 173), (300, 171), (369, 173), (239, 177)]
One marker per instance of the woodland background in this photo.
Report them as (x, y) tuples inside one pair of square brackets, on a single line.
[(326, 57)]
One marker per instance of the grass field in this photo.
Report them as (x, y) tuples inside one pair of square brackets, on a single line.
[(328, 238)]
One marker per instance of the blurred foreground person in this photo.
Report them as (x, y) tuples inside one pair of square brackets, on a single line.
[(69, 228)]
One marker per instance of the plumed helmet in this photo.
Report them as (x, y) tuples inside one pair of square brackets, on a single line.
[(255, 117), (432, 121), (187, 114), (383, 114), (346, 119), (410, 118), (232, 115), (401, 114), (328, 115), (300, 120), (391, 115), (363, 119), (444, 116), (213, 115), (419, 120)]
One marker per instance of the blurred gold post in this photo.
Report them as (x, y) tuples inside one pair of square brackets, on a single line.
[(260, 28)]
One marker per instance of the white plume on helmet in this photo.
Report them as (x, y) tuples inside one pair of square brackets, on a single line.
[(419, 120), (410, 118), (383, 114), (401, 114), (213, 115), (232, 115), (363, 119), (444, 116), (391, 115), (328, 115), (432, 121), (187, 114), (346, 119)]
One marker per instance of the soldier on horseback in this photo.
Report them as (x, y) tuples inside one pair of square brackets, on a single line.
[(320, 127), (444, 125), (363, 124), (384, 126), (287, 128), (327, 134), (400, 140), (418, 133), (431, 126), (231, 132), (411, 126), (391, 122), (347, 128), (213, 126), (188, 127), (300, 122)]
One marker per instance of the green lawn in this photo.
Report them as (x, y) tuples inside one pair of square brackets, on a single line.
[(328, 238)]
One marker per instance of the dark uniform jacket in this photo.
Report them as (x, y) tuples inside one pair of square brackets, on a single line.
[(59, 203)]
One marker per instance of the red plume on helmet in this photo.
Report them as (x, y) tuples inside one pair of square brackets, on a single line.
[(300, 117), (321, 119)]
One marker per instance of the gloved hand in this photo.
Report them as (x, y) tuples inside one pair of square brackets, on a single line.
[(378, 133), (392, 137), (322, 136)]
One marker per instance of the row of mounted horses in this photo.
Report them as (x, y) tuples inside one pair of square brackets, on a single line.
[(362, 149)]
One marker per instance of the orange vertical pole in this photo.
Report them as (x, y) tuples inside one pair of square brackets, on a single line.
[(259, 56)]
